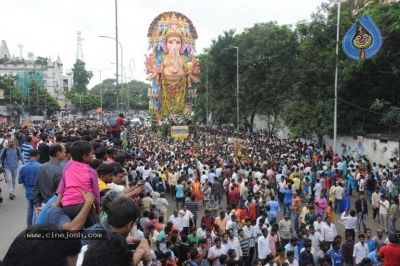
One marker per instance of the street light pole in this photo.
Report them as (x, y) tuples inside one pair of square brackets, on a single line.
[(29, 103), (206, 94), (101, 90), (116, 46), (123, 68), (120, 45), (237, 86), (336, 80)]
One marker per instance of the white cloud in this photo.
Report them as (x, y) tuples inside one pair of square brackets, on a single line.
[(48, 27)]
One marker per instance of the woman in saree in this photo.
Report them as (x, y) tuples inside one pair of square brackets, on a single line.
[(196, 189), (345, 201), (306, 189)]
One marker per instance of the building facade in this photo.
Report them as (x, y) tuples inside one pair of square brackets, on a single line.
[(48, 73)]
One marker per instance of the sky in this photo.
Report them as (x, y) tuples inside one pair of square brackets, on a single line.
[(49, 27)]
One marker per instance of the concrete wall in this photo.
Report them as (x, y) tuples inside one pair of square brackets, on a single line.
[(375, 149), (260, 122)]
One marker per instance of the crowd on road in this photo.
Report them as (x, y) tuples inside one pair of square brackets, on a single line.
[(281, 197)]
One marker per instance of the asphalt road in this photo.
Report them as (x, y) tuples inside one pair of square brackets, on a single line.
[(13, 216)]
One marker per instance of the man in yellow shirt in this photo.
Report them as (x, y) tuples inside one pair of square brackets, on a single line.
[(105, 173), (297, 182)]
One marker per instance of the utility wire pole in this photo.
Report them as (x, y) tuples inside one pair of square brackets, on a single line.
[(336, 81), (206, 94)]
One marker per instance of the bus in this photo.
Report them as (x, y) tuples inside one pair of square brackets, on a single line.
[(179, 132)]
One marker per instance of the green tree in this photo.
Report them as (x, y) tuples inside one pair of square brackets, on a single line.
[(41, 61), (222, 78), (81, 77), (135, 91), (200, 104), (309, 110), (373, 83), (41, 101), (266, 71), (84, 102), (7, 84)]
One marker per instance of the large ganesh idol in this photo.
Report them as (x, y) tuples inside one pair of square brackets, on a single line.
[(171, 65)]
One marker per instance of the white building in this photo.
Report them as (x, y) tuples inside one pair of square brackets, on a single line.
[(67, 80), (52, 72)]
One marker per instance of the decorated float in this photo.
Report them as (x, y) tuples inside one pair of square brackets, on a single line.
[(171, 65)]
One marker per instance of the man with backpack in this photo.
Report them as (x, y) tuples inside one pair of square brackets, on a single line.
[(9, 161), (116, 125)]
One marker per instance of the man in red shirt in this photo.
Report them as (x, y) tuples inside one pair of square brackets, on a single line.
[(35, 140), (391, 252), (233, 197), (116, 131), (208, 220)]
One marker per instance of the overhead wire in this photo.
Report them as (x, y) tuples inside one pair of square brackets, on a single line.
[(368, 110)]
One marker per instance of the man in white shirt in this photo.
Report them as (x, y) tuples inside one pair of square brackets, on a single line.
[(338, 192), (163, 206), (290, 259), (201, 232), (263, 247), (186, 217), (383, 212), (3, 140), (360, 250), (258, 175), (375, 199), (218, 171), (176, 219), (233, 243), (318, 223), (328, 231), (317, 189), (229, 224), (314, 237), (256, 187), (203, 177), (211, 176), (147, 186), (350, 222), (263, 216), (234, 176)]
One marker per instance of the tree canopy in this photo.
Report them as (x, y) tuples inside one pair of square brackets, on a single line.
[(287, 75), (81, 77), (135, 92)]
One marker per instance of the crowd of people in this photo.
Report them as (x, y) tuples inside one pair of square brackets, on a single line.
[(267, 201)]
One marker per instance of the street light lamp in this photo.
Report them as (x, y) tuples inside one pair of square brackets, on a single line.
[(115, 92), (237, 85), (120, 45)]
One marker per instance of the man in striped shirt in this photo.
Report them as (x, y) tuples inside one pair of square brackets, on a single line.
[(26, 147), (250, 234), (193, 207)]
